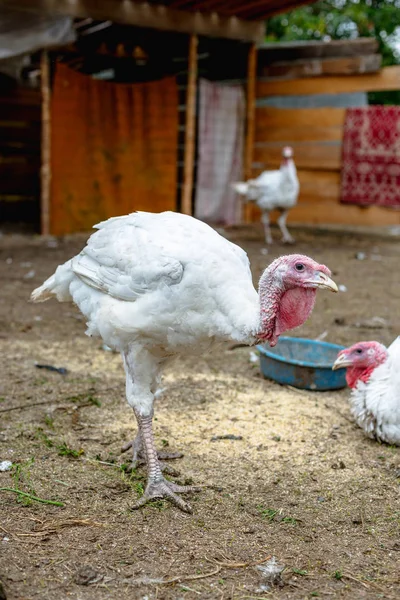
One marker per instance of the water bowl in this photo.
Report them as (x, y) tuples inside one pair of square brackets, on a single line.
[(302, 363)]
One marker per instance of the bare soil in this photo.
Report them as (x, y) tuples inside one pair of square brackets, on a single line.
[(303, 484)]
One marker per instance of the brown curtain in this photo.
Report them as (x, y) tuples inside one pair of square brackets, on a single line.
[(113, 149)]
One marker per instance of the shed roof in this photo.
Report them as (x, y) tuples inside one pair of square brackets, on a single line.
[(249, 10), (235, 19)]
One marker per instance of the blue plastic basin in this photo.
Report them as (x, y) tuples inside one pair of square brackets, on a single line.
[(302, 363)]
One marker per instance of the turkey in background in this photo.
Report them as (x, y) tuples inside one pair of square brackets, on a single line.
[(272, 190)]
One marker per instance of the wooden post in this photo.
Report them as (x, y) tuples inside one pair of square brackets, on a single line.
[(250, 123), (190, 128), (45, 175)]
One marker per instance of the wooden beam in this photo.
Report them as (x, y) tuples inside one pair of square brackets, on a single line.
[(145, 14), (45, 174), (250, 122), (270, 52), (315, 67), (387, 79), (190, 128)]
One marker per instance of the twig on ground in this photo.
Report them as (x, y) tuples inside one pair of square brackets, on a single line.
[(22, 406), (233, 565), (180, 578), (55, 526), (31, 496)]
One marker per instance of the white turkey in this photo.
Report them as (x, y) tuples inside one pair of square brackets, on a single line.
[(157, 286), (274, 190), (373, 374)]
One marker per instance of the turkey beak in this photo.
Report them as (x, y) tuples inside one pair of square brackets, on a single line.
[(322, 280), (341, 362)]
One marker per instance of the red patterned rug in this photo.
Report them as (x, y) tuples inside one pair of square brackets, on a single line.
[(371, 156)]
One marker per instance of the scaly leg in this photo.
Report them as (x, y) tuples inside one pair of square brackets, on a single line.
[(267, 229), (157, 486), (142, 375), (138, 457), (286, 237)]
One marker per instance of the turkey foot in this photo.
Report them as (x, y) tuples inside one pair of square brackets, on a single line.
[(162, 488), (138, 458), (157, 486), (286, 237)]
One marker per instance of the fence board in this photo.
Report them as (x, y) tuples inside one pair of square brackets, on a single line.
[(289, 135), (387, 79), (315, 156), (267, 117)]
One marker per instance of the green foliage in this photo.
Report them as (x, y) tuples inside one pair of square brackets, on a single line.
[(65, 450), (300, 571), (338, 575), (267, 513), (344, 19), (340, 19)]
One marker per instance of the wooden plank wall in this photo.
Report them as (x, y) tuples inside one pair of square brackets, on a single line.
[(316, 137), (20, 155)]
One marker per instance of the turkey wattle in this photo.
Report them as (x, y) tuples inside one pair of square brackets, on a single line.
[(274, 190), (373, 373), (157, 286)]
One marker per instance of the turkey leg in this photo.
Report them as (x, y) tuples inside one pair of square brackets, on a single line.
[(157, 486), (286, 237), (267, 229), (138, 457)]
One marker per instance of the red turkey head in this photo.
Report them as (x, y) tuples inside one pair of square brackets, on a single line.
[(360, 360), (287, 293)]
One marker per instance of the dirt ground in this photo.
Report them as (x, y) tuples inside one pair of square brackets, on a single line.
[(302, 484)]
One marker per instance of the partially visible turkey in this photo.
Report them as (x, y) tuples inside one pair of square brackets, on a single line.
[(373, 373), (274, 190), (157, 286)]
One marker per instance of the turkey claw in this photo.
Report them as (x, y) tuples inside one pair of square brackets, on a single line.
[(289, 240), (169, 491)]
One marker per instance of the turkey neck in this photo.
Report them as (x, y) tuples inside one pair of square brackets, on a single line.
[(288, 167), (270, 291)]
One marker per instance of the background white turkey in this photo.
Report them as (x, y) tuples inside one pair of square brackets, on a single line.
[(274, 190), (373, 373), (155, 286)]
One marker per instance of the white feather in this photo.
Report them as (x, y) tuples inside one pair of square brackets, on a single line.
[(163, 281)]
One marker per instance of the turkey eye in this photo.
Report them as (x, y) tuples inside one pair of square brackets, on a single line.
[(299, 267), (359, 351)]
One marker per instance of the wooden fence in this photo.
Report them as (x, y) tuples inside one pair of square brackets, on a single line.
[(316, 137), (19, 154)]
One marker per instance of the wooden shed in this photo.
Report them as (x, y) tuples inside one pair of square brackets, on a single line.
[(107, 150), (303, 92)]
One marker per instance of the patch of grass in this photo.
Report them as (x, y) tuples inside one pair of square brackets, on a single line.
[(164, 443), (290, 520), (300, 571), (65, 450), (49, 422), (158, 504), (267, 513), (2, 399), (84, 399), (138, 487), (21, 475), (337, 575), (42, 436)]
